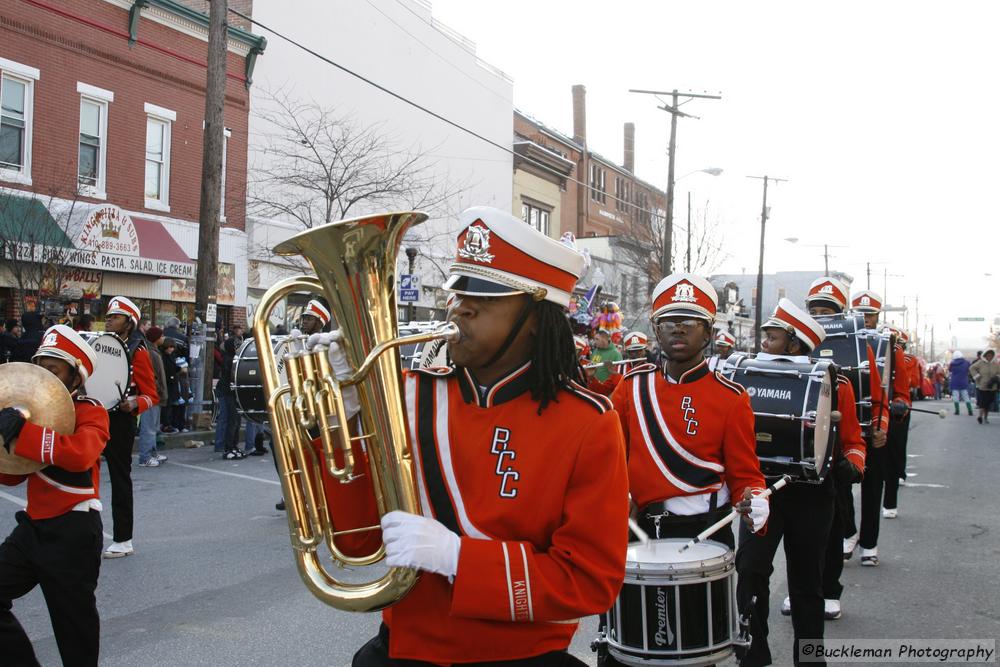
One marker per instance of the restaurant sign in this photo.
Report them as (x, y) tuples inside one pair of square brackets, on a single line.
[(109, 241)]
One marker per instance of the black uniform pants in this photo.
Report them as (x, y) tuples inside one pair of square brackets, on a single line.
[(845, 506), (876, 461), (376, 654), (801, 514), (63, 556), (833, 564), (118, 456), (896, 439)]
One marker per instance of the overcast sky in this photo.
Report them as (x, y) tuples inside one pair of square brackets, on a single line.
[(881, 115)]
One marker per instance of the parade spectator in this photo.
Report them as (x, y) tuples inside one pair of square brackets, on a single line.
[(85, 322), (959, 369), (227, 426), (173, 330), (144, 326), (938, 378), (29, 341), (149, 421), (986, 374), (167, 348), (604, 351), (8, 340)]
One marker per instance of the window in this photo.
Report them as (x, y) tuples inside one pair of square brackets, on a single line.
[(536, 217), (621, 193), (598, 189), (93, 153), (157, 185), (226, 133), (16, 97)]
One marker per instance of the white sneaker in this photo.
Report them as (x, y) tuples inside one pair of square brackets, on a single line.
[(150, 463), (831, 610), (869, 557), (159, 457), (850, 543), (786, 607), (889, 514), (119, 550)]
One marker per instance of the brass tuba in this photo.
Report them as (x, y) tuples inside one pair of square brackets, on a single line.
[(355, 265)]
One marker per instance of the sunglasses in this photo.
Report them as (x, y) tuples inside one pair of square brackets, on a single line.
[(668, 326)]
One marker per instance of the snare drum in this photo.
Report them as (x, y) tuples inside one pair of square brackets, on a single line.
[(109, 383), (248, 385), (792, 404), (674, 608)]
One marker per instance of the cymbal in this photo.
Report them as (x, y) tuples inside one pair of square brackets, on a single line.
[(45, 401)]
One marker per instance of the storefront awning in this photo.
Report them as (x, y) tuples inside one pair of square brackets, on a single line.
[(25, 223), (155, 242)]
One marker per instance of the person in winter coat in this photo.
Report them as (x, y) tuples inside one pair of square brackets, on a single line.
[(986, 374), (8, 340), (30, 340), (959, 369)]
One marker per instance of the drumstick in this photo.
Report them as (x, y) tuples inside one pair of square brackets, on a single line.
[(940, 413), (721, 523), (640, 533)]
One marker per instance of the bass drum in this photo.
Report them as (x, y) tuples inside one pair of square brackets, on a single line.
[(248, 386), (793, 405), (674, 608), (846, 344), (112, 374)]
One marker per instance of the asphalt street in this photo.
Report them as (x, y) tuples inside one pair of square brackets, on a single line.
[(213, 582)]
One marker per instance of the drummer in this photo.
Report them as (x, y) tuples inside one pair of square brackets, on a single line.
[(57, 541), (725, 342), (689, 431), (802, 513)]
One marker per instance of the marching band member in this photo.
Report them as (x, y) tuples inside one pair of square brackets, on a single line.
[(828, 296), (58, 538), (801, 514), (725, 342), (689, 431), (899, 427), (869, 304), (516, 465), (121, 320), (314, 318)]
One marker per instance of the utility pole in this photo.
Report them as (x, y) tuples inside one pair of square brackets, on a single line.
[(674, 110), (687, 265), (211, 184), (758, 302), (868, 272), (826, 260)]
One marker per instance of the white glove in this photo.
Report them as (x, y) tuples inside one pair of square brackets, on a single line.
[(421, 543), (338, 362), (760, 509)]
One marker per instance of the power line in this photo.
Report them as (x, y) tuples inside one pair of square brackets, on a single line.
[(438, 116)]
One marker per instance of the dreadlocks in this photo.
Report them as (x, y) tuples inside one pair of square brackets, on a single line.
[(553, 360)]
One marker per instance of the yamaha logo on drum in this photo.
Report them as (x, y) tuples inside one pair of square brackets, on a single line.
[(763, 392), (113, 350)]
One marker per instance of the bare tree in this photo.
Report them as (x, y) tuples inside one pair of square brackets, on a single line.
[(37, 241)]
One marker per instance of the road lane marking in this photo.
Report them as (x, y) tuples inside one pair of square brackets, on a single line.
[(223, 472), (21, 503), (927, 484)]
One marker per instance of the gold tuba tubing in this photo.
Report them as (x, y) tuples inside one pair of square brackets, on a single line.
[(355, 265)]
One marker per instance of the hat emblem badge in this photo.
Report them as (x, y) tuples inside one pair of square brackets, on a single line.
[(684, 292), (865, 301), (51, 340), (826, 289), (477, 244)]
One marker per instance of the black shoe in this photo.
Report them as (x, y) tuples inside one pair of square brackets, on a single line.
[(280, 505), (234, 454), (258, 452), (979, 419)]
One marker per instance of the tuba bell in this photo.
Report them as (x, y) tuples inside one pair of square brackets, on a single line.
[(355, 265)]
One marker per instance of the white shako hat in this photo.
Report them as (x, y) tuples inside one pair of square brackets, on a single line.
[(317, 310), (500, 255), (635, 341), (61, 342), (119, 305), (725, 338), (827, 289), (685, 294), (797, 322), (867, 301)]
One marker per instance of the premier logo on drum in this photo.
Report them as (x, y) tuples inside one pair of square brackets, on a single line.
[(765, 392), (664, 634)]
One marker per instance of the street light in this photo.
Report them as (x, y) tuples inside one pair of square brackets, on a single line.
[(711, 171), (826, 251)]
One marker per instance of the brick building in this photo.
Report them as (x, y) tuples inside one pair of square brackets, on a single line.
[(100, 154)]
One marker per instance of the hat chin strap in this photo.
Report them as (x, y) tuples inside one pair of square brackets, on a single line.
[(515, 330)]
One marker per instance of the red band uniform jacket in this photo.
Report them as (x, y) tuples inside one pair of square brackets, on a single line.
[(903, 369), (880, 404), (687, 438), (852, 442), (73, 461), (540, 503), (143, 387)]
